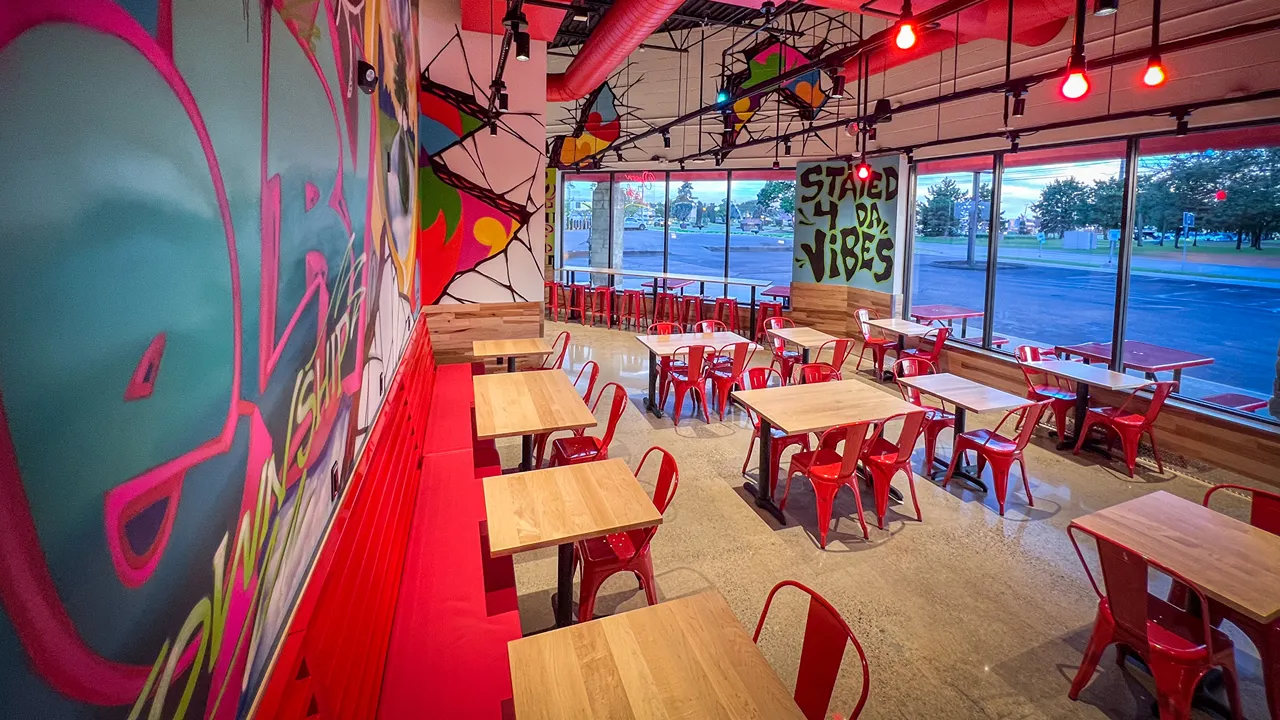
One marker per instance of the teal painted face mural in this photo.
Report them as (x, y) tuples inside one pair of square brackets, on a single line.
[(204, 291), (846, 227)]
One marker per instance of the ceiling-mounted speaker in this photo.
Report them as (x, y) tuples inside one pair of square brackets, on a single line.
[(366, 77)]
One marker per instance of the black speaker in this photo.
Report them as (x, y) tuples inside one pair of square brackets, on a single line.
[(366, 77)]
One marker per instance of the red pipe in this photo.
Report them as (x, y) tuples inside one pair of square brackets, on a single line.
[(627, 24)]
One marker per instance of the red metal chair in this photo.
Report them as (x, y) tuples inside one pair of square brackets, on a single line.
[(1128, 426), (601, 304), (828, 469), (840, 349), (689, 377), (553, 298), (710, 326), (559, 348), (631, 308), (783, 358), (815, 373), (936, 419), (726, 311), (885, 459), (1178, 646), (598, 558), (1264, 506), (1000, 451), (688, 309), (757, 378), (578, 301), (724, 376), (821, 654), (667, 362), (878, 346), (766, 309), (664, 308), (585, 448), (1043, 386), (590, 370), (931, 344)]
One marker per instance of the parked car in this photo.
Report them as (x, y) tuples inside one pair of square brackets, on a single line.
[(635, 222), (751, 224)]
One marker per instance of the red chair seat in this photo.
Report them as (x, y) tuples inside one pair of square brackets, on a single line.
[(1173, 630), (579, 447), (1052, 391), (938, 415), (618, 547), (823, 462), (991, 441), (1115, 415)]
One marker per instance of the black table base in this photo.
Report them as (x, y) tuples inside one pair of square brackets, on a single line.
[(967, 473)]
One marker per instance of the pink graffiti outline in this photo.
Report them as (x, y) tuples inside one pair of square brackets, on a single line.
[(45, 630)]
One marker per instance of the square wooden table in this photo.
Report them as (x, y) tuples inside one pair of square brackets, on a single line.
[(561, 505), (509, 349), (1143, 357), (684, 658), (527, 404), (806, 338), (966, 395), (799, 409), (661, 346), (1085, 375), (902, 328), (1232, 562), (950, 313)]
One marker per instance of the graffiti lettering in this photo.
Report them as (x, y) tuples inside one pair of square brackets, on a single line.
[(843, 225)]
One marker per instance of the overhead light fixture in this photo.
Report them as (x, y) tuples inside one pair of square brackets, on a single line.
[(682, 165), (582, 16), (1075, 82), (719, 159), (871, 133), (883, 111), (700, 160), (786, 146), (666, 138), (522, 46), (1013, 142), (1154, 75), (851, 128), (1103, 8), (618, 154), (518, 24), (493, 128), (503, 101), (863, 169), (1019, 104), (837, 86), (722, 97), (777, 165), (767, 8), (905, 36), (726, 138), (1184, 125)]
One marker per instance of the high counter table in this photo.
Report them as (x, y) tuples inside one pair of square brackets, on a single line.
[(702, 280)]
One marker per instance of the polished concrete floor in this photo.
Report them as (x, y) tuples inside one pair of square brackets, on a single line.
[(964, 615)]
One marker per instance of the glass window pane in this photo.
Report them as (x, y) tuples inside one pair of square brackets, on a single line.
[(1056, 271), (949, 258), (1206, 263), (637, 238), (586, 223), (761, 228), (698, 201)]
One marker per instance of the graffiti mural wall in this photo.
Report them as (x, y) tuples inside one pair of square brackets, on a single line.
[(846, 229), (207, 273), (481, 173)]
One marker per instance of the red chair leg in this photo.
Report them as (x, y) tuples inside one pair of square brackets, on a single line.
[(1026, 481), (1155, 451), (857, 500), (1000, 478), (750, 449), (679, 406), (1103, 631), (1175, 686), (643, 568), (702, 393), (824, 496), (1060, 420), (911, 485), (591, 583), (1268, 644), (1082, 432), (880, 491), (930, 444), (1129, 445)]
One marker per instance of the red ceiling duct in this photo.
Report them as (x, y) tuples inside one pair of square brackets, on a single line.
[(627, 24)]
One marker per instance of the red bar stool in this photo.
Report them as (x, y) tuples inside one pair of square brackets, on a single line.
[(767, 309), (726, 311), (602, 303), (688, 310), (553, 298), (631, 309), (577, 302), (664, 308)]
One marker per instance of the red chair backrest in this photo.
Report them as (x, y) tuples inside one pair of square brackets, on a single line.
[(555, 360), (664, 489), (1158, 396), (854, 436), (938, 338), (741, 353), (709, 326), (757, 378), (776, 322), (912, 426), (663, 328), (1125, 574), (911, 367), (617, 404), (825, 636), (840, 351), (1031, 353), (697, 357), (1030, 418), (592, 370), (863, 316), (817, 372), (1264, 509)]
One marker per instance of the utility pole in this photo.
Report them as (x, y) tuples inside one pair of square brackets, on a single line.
[(973, 220)]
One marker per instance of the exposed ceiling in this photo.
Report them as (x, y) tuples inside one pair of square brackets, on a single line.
[(692, 14)]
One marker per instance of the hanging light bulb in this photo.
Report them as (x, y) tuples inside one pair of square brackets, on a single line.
[(1155, 75), (863, 169), (905, 37), (1075, 83)]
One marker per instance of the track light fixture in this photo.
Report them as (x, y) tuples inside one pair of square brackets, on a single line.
[(682, 165), (767, 9), (522, 46), (905, 35), (1075, 82), (870, 133), (666, 138), (722, 97), (493, 128), (1103, 8), (1019, 104), (786, 147), (581, 16), (618, 154), (777, 165), (1183, 125), (503, 101), (883, 111), (1013, 142), (1154, 75), (518, 24), (837, 86)]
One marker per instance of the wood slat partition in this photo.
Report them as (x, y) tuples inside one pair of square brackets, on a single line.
[(830, 308), (455, 327)]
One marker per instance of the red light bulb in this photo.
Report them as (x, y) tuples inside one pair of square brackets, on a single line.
[(1075, 85), (906, 37), (1155, 75), (863, 171)]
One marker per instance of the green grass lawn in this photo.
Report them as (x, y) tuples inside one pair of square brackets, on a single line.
[(1147, 249)]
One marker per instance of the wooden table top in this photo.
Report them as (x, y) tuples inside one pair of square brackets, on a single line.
[(898, 326), (544, 508), (668, 284), (524, 403), (970, 395), (684, 658), (1138, 355), (1090, 374), (666, 275), (803, 336), (666, 345), (1231, 561), (815, 407), (777, 291), (510, 348), (943, 312)]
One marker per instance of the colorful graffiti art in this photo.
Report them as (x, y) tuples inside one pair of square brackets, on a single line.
[(480, 203), (206, 271), (599, 125), (765, 61), (845, 227)]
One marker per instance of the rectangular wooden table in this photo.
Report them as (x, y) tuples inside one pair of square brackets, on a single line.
[(806, 337), (1143, 357), (509, 349), (950, 313), (799, 409), (782, 292), (684, 658), (661, 346), (1084, 376), (526, 404), (1232, 562), (966, 395), (903, 329), (559, 506)]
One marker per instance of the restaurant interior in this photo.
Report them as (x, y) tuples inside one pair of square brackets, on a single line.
[(820, 376)]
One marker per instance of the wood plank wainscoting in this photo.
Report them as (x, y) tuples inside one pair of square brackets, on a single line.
[(830, 308), (454, 327)]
